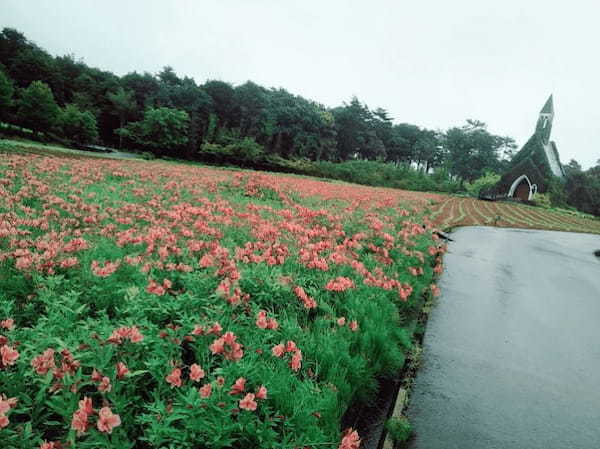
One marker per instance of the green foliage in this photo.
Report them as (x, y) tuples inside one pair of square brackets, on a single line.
[(487, 181), (239, 151), (76, 125), (399, 429), (251, 125), (542, 200), (582, 190), (383, 174), (37, 109), (160, 129), (6, 94), (473, 150)]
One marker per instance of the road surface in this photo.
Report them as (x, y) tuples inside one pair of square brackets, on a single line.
[(512, 350)]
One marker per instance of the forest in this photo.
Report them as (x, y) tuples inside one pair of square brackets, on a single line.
[(61, 98)]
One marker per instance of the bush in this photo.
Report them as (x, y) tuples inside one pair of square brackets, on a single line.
[(399, 429), (483, 183), (76, 125), (542, 200)]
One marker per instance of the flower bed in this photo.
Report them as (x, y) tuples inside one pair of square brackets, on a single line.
[(160, 305)]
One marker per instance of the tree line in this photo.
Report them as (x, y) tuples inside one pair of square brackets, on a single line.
[(169, 115), (164, 114)]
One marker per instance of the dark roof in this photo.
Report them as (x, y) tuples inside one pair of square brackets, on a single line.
[(548, 107)]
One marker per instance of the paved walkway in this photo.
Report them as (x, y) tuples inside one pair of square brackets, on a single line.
[(512, 350)]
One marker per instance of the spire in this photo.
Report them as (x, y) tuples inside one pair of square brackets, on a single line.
[(548, 107)]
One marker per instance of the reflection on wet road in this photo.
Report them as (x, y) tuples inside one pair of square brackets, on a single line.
[(512, 350)]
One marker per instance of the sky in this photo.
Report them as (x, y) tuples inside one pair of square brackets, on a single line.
[(433, 63)]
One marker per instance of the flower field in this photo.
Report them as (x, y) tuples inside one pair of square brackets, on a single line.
[(161, 305)]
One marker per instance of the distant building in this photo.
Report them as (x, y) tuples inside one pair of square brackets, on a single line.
[(533, 167)]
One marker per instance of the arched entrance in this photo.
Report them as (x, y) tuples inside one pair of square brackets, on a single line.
[(522, 189)]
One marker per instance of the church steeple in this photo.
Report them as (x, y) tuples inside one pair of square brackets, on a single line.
[(544, 124), (548, 107)]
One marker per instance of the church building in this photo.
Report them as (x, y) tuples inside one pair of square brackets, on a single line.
[(534, 166)]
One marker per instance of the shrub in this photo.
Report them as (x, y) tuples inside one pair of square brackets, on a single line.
[(76, 125), (483, 183), (542, 200), (399, 429)]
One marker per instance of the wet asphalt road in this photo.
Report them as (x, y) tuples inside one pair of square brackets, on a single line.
[(512, 350)]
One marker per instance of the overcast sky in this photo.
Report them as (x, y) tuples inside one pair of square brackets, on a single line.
[(434, 63)]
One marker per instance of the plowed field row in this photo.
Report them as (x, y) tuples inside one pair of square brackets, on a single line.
[(456, 211)]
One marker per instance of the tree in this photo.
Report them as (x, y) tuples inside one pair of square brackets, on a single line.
[(160, 129), (124, 105), (405, 138), (356, 132), (6, 95), (76, 125), (224, 102), (472, 150), (37, 109)]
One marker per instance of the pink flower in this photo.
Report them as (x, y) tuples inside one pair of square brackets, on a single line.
[(7, 324), (6, 404), (296, 362), (3, 421), (261, 393), (174, 378), (132, 334), (353, 325), (435, 290), (79, 422), (239, 386), (48, 445), (9, 356), (261, 320), (308, 302), (122, 370), (350, 440), (107, 420), (248, 402), (198, 330), (339, 284), (105, 386), (290, 346), (196, 372), (86, 405), (228, 346), (135, 335), (205, 390), (215, 329), (155, 288), (278, 350), (106, 270), (341, 321)]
